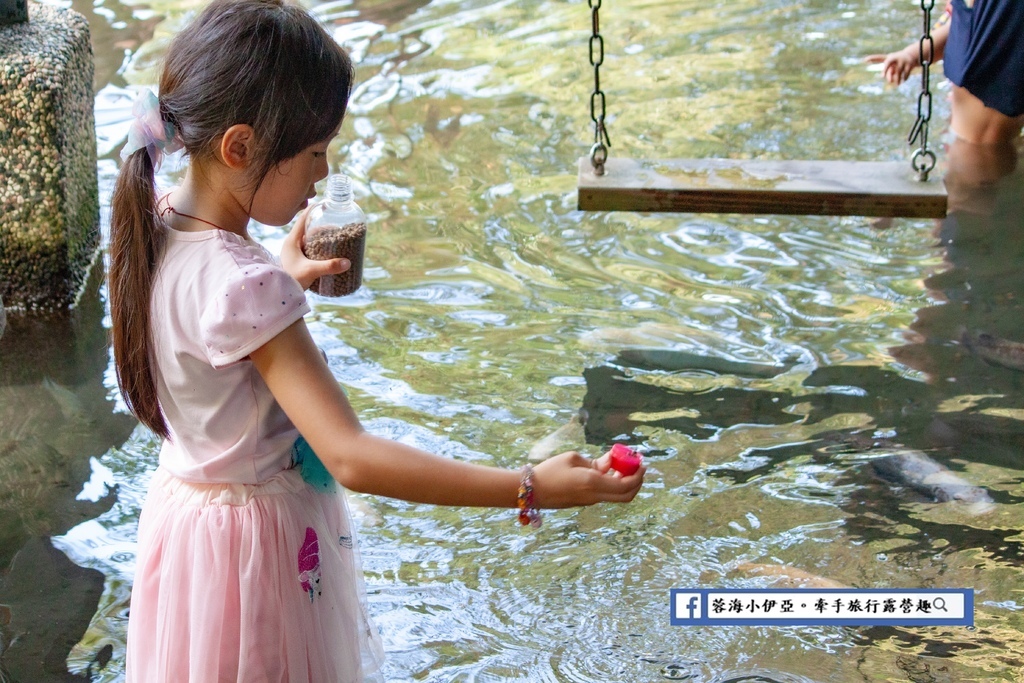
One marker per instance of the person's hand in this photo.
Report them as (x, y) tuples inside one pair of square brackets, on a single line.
[(897, 66), (303, 269), (570, 479)]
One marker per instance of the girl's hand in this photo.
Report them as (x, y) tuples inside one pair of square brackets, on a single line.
[(569, 479), (897, 66), (303, 269)]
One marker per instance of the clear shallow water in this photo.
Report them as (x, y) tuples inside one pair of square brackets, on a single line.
[(493, 311)]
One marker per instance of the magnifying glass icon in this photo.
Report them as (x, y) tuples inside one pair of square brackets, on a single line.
[(940, 603)]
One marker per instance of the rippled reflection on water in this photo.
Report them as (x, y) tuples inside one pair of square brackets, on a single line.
[(493, 310)]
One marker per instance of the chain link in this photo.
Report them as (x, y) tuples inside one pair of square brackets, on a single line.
[(923, 160), (599, 152)]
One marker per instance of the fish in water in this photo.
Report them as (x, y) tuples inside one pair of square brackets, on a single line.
[(675, 360), (916, 470), (646, 334), (100, 660), (1009, 354), (569, 436), (785, 576)]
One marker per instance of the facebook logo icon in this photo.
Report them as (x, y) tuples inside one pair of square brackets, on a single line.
[(686, 607)]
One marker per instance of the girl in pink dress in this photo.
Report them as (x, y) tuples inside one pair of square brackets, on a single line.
[(246, 571)]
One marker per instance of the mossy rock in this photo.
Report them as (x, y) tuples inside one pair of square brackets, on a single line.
[(49, 198)]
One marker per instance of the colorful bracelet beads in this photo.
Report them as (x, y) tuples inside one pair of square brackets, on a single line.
[(528, 512)]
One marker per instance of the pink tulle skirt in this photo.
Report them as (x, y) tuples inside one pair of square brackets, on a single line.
[(255, 583)]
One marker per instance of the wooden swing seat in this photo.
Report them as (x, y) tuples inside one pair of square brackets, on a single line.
[(820, 188)]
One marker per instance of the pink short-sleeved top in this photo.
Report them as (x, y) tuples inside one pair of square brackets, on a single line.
[(217, 297)]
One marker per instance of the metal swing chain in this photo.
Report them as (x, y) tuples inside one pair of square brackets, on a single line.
[(923, 160), (599, 152)]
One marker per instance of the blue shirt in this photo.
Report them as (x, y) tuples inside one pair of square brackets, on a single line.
[(985, 52)]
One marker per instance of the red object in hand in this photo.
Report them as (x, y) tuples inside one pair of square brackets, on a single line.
[(625, 460)]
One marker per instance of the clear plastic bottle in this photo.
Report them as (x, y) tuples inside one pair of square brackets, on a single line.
[(337, 229)]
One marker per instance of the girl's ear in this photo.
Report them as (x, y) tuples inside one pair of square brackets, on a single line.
[(235, 146)]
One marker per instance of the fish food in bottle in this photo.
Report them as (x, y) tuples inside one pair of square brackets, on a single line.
[(337, 229)]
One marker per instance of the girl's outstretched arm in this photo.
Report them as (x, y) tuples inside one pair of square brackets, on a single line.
[(300, 380)]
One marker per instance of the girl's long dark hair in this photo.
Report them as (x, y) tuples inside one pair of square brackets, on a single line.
[(265, 63)]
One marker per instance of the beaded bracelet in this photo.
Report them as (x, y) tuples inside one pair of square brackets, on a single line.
[(528, 512)]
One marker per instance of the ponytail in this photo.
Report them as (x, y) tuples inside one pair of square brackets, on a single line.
[(136, 239), (264, 63)]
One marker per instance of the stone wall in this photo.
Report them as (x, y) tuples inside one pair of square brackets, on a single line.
[(49, 203)]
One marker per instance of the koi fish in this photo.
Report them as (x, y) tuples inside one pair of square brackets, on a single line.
[(675, 360), (645, 334), (1004, 352), (565, 438), (785, 576), (309, 564), (919, 472), (100, 660)]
